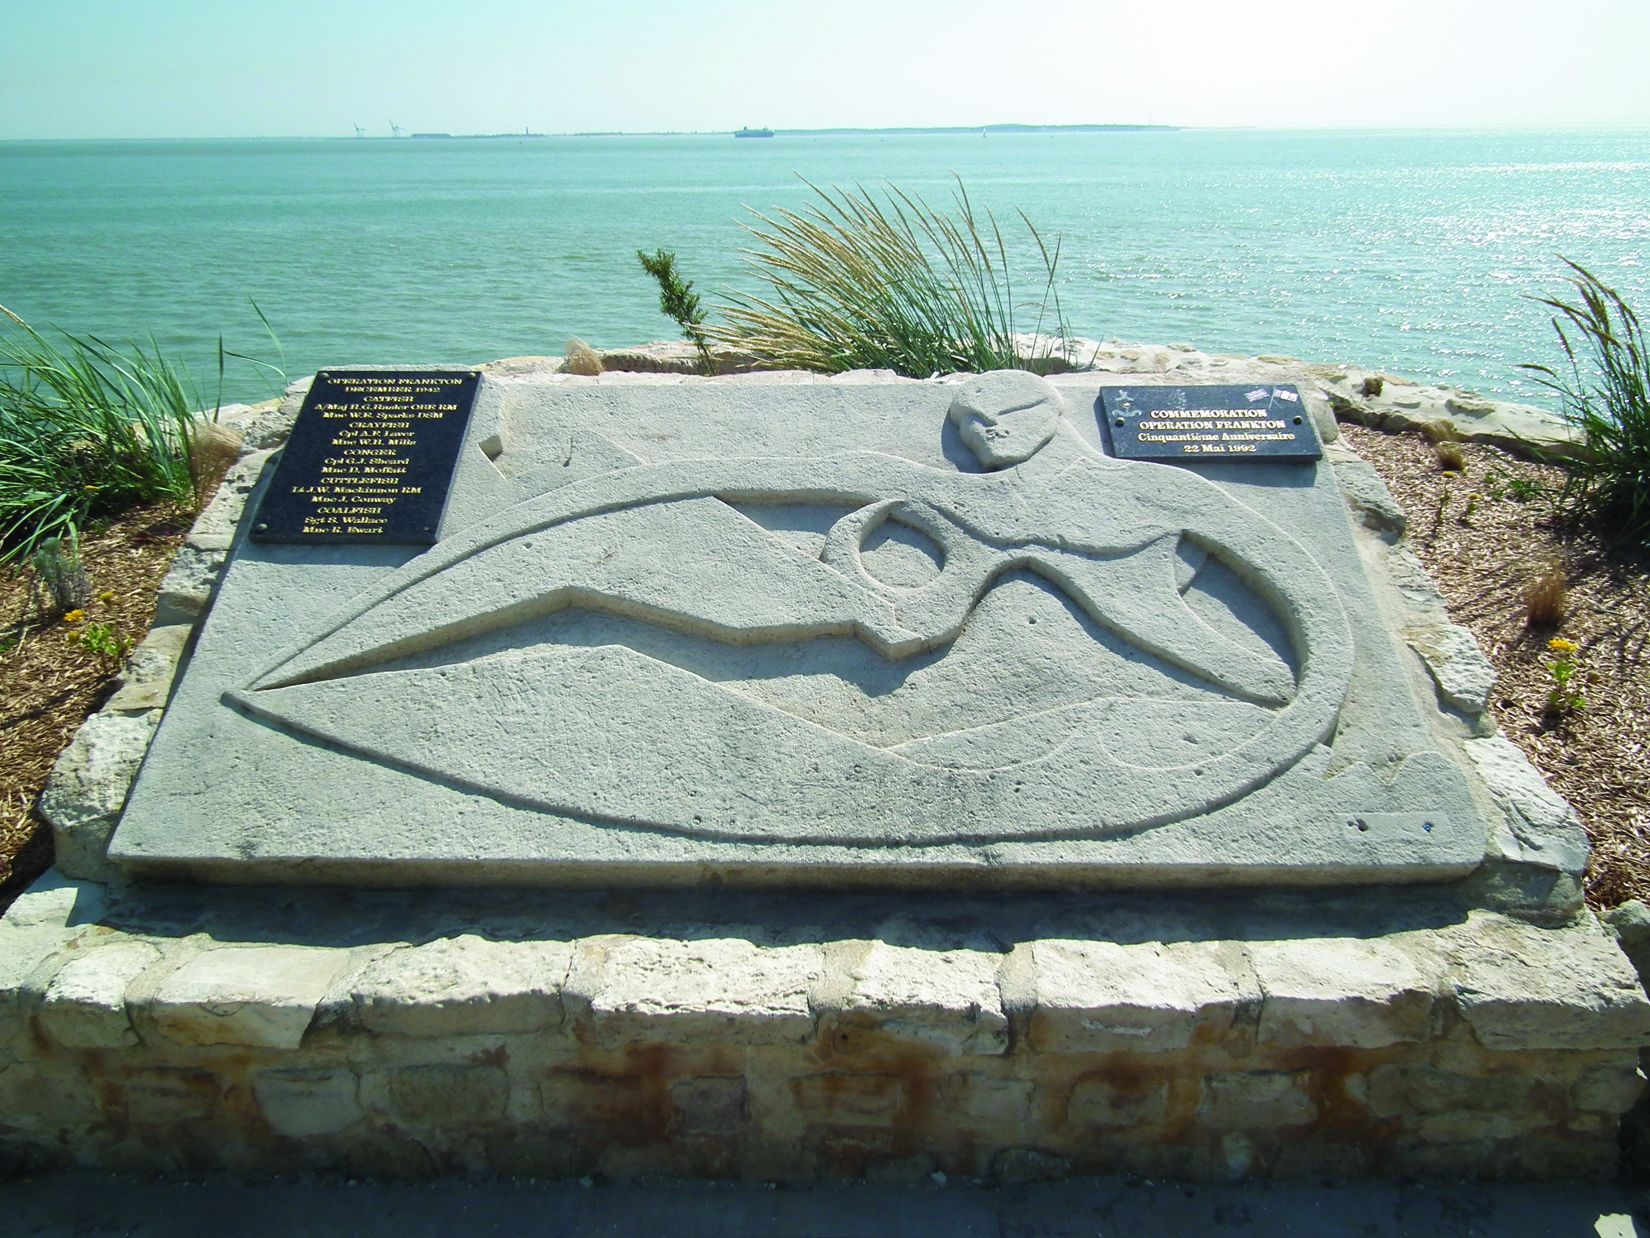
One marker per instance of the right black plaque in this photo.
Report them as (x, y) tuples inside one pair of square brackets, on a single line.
[(1261, 421)]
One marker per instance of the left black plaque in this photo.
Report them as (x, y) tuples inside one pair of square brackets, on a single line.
[(370, 458)]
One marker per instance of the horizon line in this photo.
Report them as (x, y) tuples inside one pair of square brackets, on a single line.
[(1005, 128)]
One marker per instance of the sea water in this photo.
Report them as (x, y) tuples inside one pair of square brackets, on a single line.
[(1412, 252)]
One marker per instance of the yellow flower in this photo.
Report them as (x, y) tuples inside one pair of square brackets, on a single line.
[(1559, 645), (74, 616)]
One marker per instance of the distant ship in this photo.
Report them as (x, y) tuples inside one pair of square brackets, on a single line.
[(753, 133)]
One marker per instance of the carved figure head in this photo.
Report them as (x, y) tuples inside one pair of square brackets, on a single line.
[(1006, 416)]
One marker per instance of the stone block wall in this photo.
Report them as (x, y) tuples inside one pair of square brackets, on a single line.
[(1484, 1046)]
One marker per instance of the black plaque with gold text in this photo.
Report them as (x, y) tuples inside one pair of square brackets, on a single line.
[(1260, 421), (370, 458)]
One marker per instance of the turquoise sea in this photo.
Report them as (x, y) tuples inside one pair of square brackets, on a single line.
[(1414, 252)]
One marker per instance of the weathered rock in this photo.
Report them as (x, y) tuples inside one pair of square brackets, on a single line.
[(1368, 495), (463, 985), (946, 999), (638, 989), (1341, 991), (188, 585), (1457, 665), (262, 996), (299, 1102), (89, 786), (85, 1003), (1517, 984), (146, 678), (1094, 996), (1262, 1099)]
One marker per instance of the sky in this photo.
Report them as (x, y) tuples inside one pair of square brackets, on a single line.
[(211, 68)]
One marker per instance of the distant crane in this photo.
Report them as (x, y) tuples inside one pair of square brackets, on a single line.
[(395, 129), (360, 132)]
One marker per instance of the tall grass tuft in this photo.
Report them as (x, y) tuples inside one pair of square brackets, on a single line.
[(855, 282), (86, 430), (1604, 387)]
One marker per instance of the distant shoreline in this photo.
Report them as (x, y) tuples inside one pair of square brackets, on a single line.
[(844, 131)]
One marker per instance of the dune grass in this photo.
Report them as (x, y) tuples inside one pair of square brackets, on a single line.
[(1604, 389), (87, 430), (857, 282)]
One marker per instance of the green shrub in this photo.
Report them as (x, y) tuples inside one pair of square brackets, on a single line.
[(86, 431), (679, 302), (894, 284), (1604, 387)]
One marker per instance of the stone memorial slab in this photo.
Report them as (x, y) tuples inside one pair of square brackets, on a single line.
[(1255, 421), (874, 633), (370, 458)]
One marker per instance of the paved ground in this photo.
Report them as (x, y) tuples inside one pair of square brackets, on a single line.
[(89, 1205)]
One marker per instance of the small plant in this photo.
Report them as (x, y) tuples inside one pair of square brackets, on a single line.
[(1604, 388), (1473, 500), (679, 302), (1565, 696), (861, 283), (104, 640), (60, 578), (1502, 485), (1546, 599), (1446, 447)]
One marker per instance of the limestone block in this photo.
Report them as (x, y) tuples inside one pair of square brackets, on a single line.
[(267, 425), (1096, 996), (1608, 1089), (1341, 991), (1631, 924), (1102, 1100), (188, 585), (846, 1098), (590, 1102), (88, 787), (297, 1102), (715, 990), (1545, 829), (1367, 495), (146, 679), (28, 955), (947, 999), (1257, 1099), (984, 1098), (1515, 427), (45, 1100), (85, 1003), (1396, 1091), (161, 1095), (464, 985), (710, 1104), (214, 528), (1523, 987), (441, 1095), (1457, 665), (262, 996)]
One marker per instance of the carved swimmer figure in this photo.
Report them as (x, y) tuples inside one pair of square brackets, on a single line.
[(663, 544)]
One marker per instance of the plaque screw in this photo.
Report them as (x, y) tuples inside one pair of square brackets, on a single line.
[(261, 527), (1119, 421), (1297, 421)]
